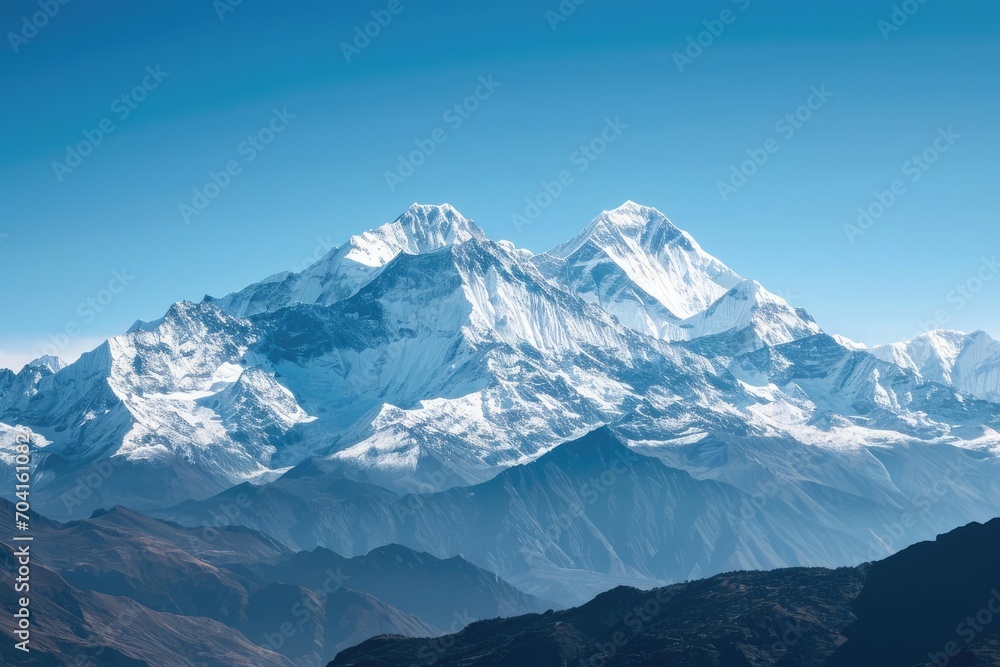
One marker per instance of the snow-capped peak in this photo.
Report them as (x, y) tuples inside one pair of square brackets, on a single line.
[(748, 305), (53, 363), (933, 347), (418, 352), (640, 267), (343, 271), (849, 343), (968, 362), (634, 222), (630, 211), (421, 228), (429, 227)]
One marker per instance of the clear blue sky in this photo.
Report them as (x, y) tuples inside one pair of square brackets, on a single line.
[(323, 176)]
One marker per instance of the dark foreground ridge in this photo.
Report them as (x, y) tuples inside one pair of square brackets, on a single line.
[(121, 588), (935, 603)]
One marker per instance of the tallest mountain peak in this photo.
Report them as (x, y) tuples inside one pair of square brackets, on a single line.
[(429, 211), (428, 227), (642, 225), (641, 268), (632, 214), (632, 207)]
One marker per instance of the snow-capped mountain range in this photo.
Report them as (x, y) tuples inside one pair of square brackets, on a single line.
[(655, 278), (421, 356), (968, 362)]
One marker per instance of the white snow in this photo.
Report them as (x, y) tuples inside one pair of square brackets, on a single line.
[(435, 348), (968, 362)]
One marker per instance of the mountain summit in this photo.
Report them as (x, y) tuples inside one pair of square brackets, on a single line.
[(426, 228), (637, 264), (655, 278), (48, 361), (969, 362)]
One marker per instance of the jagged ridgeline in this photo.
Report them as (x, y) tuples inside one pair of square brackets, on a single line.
[(422, 364)]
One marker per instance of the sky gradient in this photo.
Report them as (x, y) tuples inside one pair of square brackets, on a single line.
[(896, 118)]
